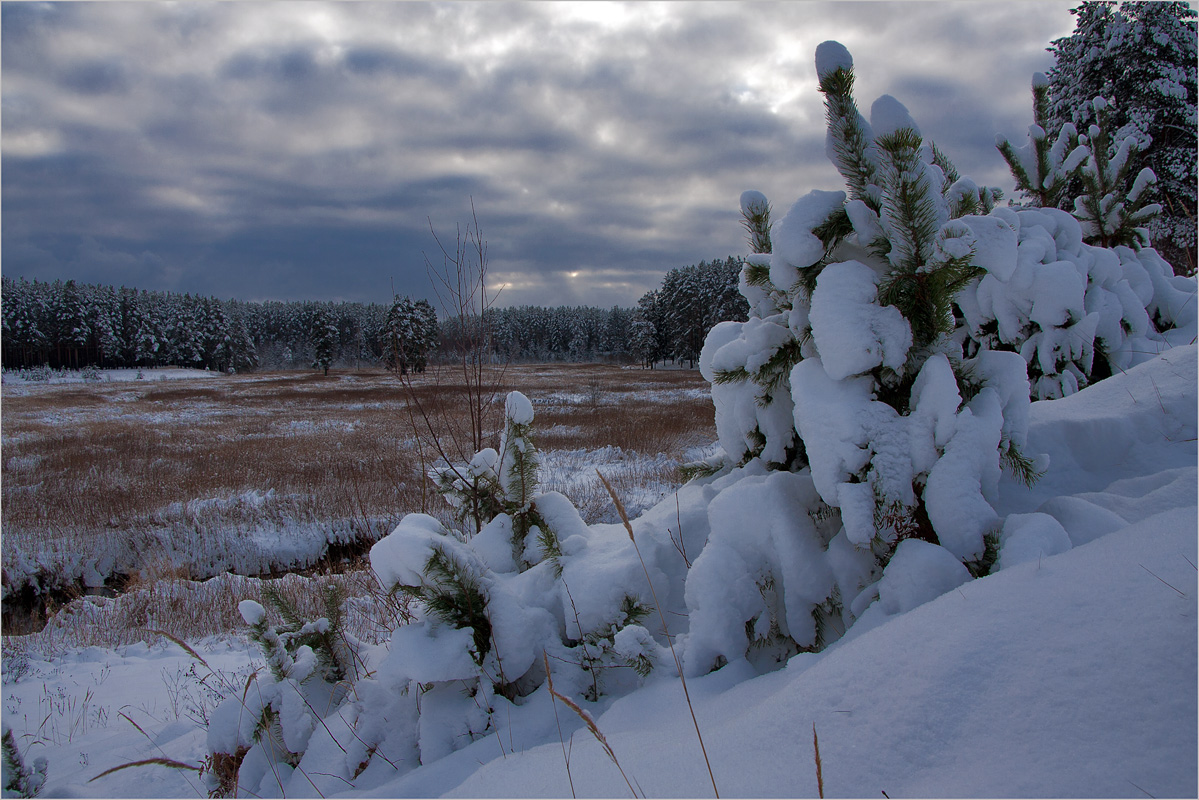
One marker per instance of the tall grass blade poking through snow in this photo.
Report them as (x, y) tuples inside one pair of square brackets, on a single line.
[(589, 721), (819, 766), (624, 518)]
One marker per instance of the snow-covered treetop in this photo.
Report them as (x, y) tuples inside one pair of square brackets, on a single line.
[(753, 202), (830, 57), (888, 115)]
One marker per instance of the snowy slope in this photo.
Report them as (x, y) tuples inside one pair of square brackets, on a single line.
[(1073, 675), (1070, 674)]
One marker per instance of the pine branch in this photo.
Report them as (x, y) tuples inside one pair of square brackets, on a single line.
[(757, 275), (925, 298), (852, 144), (777, 368), (1019, 465), (908, 209), (723, 377), (943, 162), (755, 218), (454, 596)]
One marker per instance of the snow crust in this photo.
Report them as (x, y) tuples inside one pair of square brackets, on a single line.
[(753, 203), (852, 332), (795, 246), (917, 573), (518, 408)]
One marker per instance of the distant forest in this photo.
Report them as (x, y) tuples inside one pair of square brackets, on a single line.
[(64, 324)]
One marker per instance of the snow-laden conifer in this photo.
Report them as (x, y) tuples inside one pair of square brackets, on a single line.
[(1141, 56), (263, 730), (893, 432), (1049, 162), (1087, 294)]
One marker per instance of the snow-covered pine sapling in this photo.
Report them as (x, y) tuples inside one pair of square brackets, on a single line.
[(1044, 169), (850, 140), (19, 779), (1112, 207), (621, 642), (1085, 295), (472, 489), (889, 423), (336, 651), (518, 471), (754, 410), (266, 728), (450, 589), (755, 216), (504, 484)]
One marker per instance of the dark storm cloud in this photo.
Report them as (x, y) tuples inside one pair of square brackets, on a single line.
[(283, 150)]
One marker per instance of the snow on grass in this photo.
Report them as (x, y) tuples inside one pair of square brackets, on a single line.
[(45, 375)]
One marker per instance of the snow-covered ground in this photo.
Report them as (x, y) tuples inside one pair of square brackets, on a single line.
[(1067, 674)]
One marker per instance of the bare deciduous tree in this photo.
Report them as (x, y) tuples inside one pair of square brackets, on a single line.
[(463, 295)]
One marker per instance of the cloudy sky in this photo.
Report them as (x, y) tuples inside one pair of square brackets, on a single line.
[(301, 150)]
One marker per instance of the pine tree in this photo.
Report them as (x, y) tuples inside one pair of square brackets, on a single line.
[(325, 339), (1141, 57), (1046, 168), (649, 329), (1112, 204)]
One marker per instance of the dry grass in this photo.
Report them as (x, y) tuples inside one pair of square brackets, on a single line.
[(163, 469), (191, 610)]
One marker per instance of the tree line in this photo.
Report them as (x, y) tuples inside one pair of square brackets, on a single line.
[(66, 324)]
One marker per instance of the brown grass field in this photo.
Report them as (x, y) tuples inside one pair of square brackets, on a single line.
[(139, 462)]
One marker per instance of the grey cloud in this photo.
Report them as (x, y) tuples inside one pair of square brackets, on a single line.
[(307, 162), (96, 77)]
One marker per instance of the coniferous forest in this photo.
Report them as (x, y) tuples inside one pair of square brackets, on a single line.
[(70, 325)]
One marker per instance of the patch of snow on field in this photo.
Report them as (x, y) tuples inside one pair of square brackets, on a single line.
[(75, 377)]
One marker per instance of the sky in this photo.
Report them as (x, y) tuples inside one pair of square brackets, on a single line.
[(309, 151)]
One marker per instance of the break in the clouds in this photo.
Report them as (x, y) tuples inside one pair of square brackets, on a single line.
[(301, 150)]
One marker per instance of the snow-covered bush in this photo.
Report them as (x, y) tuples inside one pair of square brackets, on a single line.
[(261, 734), (852, 376), (884, 373), (1088, 295), (534, 579)]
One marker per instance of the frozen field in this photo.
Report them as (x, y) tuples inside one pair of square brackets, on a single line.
[(187, 474)]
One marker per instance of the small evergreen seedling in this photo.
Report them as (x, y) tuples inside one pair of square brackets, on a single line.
[(19, 779)]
